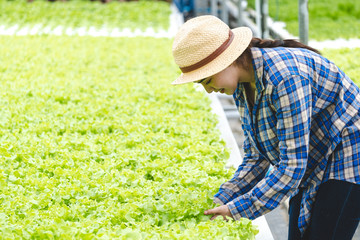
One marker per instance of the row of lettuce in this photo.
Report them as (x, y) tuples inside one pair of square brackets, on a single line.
[(95, 143), (75, 14), (328, 19)]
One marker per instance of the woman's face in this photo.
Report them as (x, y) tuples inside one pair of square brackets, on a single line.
[(226, 81)]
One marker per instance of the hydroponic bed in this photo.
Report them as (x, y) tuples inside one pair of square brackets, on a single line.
[(327, 19), (83, 13), (95, 143)]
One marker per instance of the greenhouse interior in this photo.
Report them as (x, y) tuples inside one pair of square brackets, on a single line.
[(96, 143)]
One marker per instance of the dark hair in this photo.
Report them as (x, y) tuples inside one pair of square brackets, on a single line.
[(244, 58), (266, 43)]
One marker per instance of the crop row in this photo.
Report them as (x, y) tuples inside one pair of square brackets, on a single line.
[(74, 14), (327, 19), (96, 143)]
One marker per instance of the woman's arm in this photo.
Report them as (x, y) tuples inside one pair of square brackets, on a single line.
[(292, 101), (251, 171)]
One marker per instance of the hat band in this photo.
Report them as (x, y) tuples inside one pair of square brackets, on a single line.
[(211, 57)]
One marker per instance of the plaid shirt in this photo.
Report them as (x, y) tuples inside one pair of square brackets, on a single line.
[(305, 122)]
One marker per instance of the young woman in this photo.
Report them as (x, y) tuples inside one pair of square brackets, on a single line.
[(300, 113)]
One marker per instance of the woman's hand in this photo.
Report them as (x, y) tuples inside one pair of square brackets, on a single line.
[(219, 211)]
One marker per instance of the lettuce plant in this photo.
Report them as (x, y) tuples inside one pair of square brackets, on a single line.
[(327, 19), (76, 14), (95, 143)]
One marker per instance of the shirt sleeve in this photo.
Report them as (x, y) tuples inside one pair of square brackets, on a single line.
[(292, 102), (250, 171)]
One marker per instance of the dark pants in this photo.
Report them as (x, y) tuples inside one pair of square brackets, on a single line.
[(334, 216)]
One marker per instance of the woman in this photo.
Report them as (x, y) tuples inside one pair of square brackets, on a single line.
[(300, 114)]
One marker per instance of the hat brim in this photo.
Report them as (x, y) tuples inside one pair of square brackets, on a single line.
[(242, 38)]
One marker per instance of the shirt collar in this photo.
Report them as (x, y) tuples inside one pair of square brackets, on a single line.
[(258, 63)]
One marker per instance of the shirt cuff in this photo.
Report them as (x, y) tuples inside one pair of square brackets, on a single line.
[(241, 208), (218, 201), (224, 196)]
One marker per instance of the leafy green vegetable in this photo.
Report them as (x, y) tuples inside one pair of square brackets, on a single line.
[(96, 143), (327, 19), (75, 14)]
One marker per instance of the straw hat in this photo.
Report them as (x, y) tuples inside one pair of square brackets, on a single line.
[(205, 45)]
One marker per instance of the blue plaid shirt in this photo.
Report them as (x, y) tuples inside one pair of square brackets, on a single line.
[(305, 123)]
